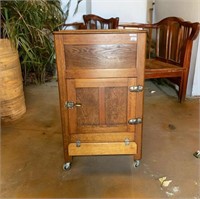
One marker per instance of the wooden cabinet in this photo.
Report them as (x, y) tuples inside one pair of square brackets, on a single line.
[(101, 79)]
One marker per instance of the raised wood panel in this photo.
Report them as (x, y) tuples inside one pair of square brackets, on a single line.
[(116, 105), (100, 56), (88, 113)]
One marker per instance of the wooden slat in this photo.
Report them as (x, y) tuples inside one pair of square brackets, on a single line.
[(102, 149), (102, 129), (100, 73), (60, 63), (81, 83), (100, 38), (105, 31), (131, 104), (72, 112), (139, 100)]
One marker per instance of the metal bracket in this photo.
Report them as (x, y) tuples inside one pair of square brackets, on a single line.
[(126, 141), (78, 143), (135, 121), (71, 105), (138, 88)]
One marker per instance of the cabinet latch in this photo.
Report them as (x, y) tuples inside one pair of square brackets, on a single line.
[(71, 105), (138, 88), (135, 121)]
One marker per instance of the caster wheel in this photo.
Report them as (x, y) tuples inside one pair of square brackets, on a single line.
[(67, 166), (136, 163)]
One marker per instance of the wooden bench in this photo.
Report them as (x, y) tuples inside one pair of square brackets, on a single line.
[(172, 39)]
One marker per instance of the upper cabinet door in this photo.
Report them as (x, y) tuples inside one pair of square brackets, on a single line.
[(101, 55)]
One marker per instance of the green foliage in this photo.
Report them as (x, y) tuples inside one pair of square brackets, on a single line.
[(29, 24)]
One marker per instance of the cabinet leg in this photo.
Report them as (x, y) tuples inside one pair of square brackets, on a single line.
[(68, 160)]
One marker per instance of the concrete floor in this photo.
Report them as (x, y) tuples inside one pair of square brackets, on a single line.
[(32, 153)]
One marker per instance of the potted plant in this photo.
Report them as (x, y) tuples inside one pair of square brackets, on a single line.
[(27, 46), (29, 25), (26, 28)]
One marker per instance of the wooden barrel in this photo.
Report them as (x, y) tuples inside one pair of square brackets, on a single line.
[(11, 84)]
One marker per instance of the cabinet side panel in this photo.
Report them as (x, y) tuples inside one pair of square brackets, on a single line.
[(60, 63)]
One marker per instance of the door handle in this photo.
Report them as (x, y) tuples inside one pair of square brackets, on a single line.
[(71, 105)]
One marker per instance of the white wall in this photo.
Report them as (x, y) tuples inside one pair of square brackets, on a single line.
[(126, 10), (196, 81), (188, 10), (82, 9), (150, 14)]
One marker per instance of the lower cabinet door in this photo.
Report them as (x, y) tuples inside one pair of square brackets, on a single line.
[(99, 115)]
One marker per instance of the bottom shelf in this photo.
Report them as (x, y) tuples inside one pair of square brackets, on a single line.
[(110, 148)]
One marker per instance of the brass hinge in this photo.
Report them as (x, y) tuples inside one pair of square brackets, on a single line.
[(135, 121), (138, 88)]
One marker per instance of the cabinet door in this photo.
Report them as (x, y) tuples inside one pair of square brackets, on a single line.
[(101, 56), (101, 106)]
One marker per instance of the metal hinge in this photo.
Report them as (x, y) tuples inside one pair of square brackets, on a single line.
[(135, 121), (138, 88), (71, 105)]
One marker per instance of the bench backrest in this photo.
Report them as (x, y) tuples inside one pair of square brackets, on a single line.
[(96, 22), (173, 39)]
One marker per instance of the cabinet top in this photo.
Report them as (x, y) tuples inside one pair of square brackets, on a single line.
[(107, 31)]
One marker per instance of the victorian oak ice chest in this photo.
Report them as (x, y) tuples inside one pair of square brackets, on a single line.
[(101, 80)]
